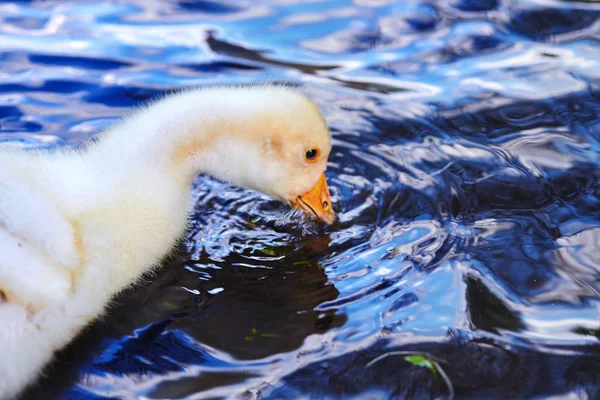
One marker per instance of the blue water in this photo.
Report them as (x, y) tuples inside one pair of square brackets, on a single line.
[(465, 170)]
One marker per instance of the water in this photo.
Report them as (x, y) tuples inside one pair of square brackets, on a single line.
[(464, 169)]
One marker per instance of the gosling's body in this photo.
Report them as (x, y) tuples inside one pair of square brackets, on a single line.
[(78, 226)]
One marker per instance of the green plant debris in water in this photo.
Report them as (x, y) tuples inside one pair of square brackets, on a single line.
[(433, 139), (269, 252), (420, 360), (254, 332), (300, 263), (169, 304)]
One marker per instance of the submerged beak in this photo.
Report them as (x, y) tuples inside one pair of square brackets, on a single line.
[(317, 201)]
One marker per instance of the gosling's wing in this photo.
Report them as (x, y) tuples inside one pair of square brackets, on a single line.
[(28, 277), (31, 214), (37, 246)]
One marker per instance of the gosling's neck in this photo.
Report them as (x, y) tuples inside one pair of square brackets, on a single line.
[(210, 131)]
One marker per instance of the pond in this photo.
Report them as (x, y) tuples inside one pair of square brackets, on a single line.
[(465, 171)]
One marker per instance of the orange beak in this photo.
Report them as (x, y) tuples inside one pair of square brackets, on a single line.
[(317, 201)]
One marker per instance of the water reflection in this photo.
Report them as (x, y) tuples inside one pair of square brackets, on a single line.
[(464, 170), (203, 313), (262, 312)]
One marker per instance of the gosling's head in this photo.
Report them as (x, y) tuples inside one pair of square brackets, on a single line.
[(272, 139), (293, 147)]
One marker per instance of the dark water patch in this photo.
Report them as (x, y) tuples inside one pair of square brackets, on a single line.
[(81, 62), (494, 366), (121, 96), (546, 24), (49, 86), (222, 66), (488, 312), (11, 121), (223, 47), (10, 111), (274, 313), (476, 5), (211, 7), (423, 19), (469, 47)]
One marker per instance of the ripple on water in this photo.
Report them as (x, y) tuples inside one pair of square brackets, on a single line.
[(464, 171)]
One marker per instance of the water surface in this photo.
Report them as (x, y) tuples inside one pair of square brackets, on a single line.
[(464, 170)]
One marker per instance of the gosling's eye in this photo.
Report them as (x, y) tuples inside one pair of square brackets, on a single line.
[(312, 155)]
